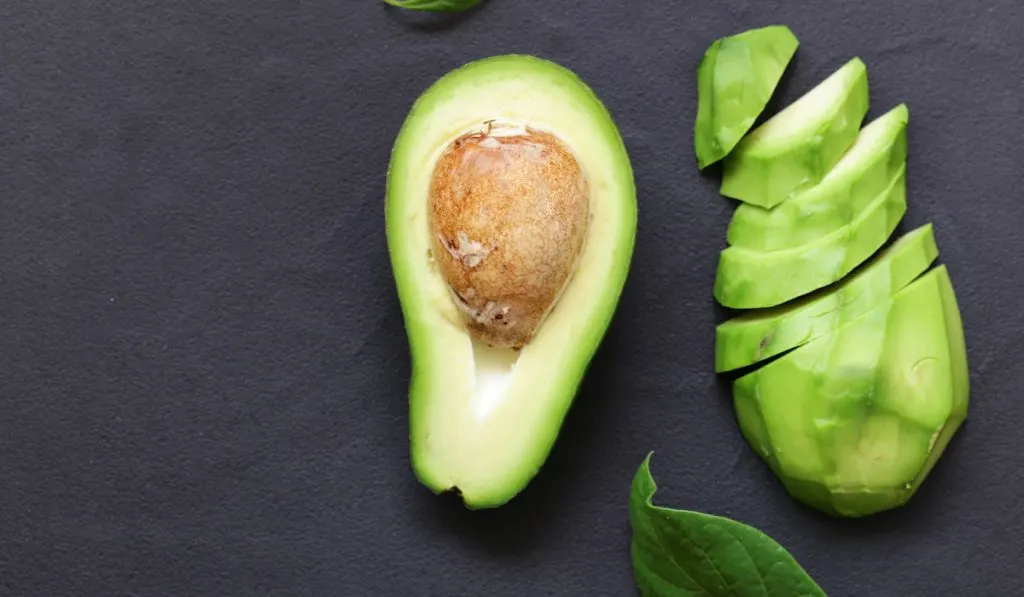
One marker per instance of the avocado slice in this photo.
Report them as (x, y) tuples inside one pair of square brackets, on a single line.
[(735, 79), (483, 417), (749, 279), (853, 421), (796, 148), (863, 172), (758, 335)]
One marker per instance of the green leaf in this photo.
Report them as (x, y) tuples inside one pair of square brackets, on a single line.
[(435, 5), (681, 553)]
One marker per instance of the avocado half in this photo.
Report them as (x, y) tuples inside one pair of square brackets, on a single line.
[(482, 420), (853, 421)]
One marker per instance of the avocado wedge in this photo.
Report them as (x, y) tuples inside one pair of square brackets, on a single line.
[(486, 406), (758, 335), (749, 279), (735, 79), (798, 146), (863, 172), (853, 422)]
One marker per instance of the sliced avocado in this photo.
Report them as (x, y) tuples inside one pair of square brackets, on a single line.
[(796, 148), (959, 375), (863, 172), (758, 335), (735, 79), (853, 421), (749, 279), (484, 418)]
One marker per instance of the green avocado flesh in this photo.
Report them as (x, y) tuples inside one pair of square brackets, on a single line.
[(798, 146), (864, 171), (735, 80), (749, 279), (853, 421), (483, 420), (758, 335)]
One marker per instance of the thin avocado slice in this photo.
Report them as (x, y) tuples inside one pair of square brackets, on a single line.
[(796, 148), (749, 279), (863, 172), (853, 421), (735, 79), (483, 418), (758, 335)]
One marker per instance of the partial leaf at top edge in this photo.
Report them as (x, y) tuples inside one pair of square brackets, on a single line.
[(435, 5)]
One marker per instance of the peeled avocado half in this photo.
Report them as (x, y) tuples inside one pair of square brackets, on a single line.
[(853, 421), (507, 282), (851, 361), (736, 77)]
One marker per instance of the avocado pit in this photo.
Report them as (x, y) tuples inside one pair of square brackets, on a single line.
[(509, 207)]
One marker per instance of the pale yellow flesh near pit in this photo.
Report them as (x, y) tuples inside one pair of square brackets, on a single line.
[(483, 420)]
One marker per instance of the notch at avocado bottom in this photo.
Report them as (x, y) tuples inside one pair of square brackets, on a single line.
[(735, 79), (794, 149), (853, 422), (864, 171), (748, 279), (759, 335), (494, 373)]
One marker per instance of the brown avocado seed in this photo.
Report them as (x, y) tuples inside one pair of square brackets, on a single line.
[(508, 211)]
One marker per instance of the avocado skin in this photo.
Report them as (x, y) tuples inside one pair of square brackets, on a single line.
[(735, 80), (808, 414)]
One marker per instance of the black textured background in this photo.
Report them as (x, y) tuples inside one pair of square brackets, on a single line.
[(203, 367)]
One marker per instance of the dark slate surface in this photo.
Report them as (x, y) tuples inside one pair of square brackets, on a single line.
[(203, 362)]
